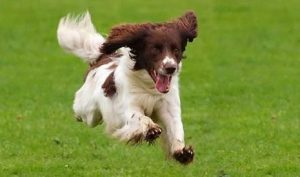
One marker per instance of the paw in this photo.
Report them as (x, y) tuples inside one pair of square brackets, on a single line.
[(184, 156), (152, 134), (138, 138)]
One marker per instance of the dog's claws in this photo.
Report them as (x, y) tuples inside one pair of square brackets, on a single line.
[(184, 156), (152, 134)]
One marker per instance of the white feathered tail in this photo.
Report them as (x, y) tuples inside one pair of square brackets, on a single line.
[(79, 36)]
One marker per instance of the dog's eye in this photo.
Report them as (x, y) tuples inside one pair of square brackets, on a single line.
[(157, 48), (176, 51)]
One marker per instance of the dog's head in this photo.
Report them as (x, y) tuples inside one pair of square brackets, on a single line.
[(156, 47)]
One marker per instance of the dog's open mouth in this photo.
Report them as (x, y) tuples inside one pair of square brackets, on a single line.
[(162, 82)]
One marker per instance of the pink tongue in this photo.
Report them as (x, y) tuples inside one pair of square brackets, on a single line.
[(162, 83)]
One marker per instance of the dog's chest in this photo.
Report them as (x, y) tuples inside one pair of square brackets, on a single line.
[(146, 102)]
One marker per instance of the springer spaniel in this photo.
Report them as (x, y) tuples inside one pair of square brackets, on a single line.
[(132, 81)]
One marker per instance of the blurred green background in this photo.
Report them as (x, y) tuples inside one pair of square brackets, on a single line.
[(239, 87)]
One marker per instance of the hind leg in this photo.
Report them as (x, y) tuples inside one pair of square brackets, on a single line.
[(91, 118), (86, 109)]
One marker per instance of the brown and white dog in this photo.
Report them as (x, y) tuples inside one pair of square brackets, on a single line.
[(132, 81)]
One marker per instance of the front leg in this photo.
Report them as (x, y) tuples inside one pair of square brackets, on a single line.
[(169, 112), (137, 127)]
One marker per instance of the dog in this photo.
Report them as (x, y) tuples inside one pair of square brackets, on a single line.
[(132, 81)]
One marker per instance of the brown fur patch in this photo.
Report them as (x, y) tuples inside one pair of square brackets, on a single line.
[(102, 60), (109, 86), (150, 43), (113, 66), (130, 34)]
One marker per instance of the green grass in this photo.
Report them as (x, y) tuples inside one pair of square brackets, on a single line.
[(240, 90)]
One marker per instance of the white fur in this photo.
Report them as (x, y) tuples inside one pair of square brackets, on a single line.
[(169, 60), (78, 36), (130, 111)]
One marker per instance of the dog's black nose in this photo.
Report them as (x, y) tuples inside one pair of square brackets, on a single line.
[(170, 69)]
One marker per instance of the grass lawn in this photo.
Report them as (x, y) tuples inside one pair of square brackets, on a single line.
[(240, 90)]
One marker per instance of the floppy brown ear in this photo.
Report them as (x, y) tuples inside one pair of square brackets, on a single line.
[(124, 36), (187, 24)]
